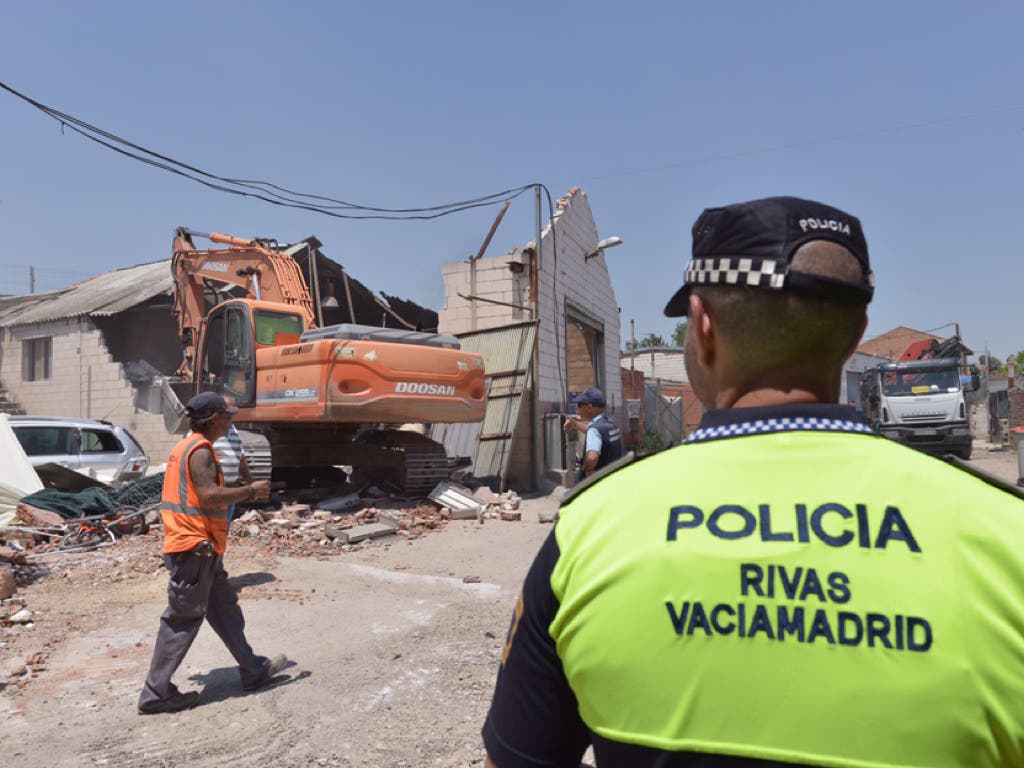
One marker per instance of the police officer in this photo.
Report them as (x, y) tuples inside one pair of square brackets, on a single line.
[(787, 587), (603, 437)]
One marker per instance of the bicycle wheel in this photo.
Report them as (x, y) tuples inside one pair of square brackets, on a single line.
[(128, 521), (87, 537)]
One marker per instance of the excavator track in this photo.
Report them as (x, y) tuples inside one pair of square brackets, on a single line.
[(400, 460), (257, 453), (414, 462)]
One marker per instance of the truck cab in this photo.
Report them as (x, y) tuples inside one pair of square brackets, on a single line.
[(920, 404)]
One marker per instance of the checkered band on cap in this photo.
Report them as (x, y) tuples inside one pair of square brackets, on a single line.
[(737, 270)]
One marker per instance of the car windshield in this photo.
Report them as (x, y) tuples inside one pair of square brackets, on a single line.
[(920, 382)]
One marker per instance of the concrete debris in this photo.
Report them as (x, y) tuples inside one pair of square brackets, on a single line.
[(458, 500), (545, 516), (486, 495), (7, 583), (24, 616), (28, 515), (483, 503), (356, 533)]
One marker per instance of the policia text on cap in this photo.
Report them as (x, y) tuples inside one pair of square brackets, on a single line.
[(786, 587)]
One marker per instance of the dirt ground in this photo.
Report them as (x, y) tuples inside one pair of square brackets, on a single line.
[(393, 654)]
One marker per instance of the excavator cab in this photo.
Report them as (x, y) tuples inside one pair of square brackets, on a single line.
[(227, 356)]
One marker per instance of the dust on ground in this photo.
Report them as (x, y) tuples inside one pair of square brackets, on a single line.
[(394, 646)]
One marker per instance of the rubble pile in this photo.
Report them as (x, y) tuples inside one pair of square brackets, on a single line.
[(345, 523)]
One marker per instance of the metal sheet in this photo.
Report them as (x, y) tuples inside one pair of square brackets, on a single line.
[(102, 295), (507, 353)]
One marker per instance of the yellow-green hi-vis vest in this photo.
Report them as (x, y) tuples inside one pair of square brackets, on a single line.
[(815, 598)]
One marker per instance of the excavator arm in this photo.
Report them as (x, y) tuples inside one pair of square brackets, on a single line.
[(249, 264)]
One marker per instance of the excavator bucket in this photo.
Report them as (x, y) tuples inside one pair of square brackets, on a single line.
[(175, 420)]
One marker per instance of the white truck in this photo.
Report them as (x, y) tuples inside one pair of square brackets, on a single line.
[(920, 403)]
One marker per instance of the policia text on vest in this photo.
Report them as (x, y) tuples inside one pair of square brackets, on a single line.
[(832, 524)]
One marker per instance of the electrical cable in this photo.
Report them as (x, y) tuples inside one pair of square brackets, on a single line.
[(260, 190), (801, 144)]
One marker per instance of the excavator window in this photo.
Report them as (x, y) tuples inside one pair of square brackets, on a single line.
[(273, 327)]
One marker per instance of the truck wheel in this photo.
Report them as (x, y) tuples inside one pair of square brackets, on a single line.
[(965, 454)]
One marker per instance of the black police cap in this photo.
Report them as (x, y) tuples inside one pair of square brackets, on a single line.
[(752, 244)]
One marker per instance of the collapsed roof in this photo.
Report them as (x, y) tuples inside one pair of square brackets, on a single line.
[(342, 298)]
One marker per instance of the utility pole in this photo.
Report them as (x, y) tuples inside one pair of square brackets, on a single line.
[(632, 345), (537, 461)]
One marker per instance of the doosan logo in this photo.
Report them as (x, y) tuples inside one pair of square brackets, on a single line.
[(422, 388), (214, 266), (835, 226)]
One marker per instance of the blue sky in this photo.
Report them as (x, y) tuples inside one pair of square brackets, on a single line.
[(909, 115)]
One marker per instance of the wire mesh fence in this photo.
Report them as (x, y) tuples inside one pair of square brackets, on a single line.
[(23, 279)]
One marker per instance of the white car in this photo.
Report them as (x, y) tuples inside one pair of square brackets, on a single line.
[(89, 446)]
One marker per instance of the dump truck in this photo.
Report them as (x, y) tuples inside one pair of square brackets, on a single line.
[(321, 396), (920, 401)]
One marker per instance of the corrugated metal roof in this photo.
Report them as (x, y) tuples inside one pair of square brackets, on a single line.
[(102, 295)]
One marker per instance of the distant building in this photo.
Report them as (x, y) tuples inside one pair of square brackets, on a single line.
[(892, 344), (657, 363)]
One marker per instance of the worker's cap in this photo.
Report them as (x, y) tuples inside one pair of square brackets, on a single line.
[(751, 244), (206, 405), (591, 396)]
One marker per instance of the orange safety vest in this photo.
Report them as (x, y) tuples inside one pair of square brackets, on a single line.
[(186, 523)]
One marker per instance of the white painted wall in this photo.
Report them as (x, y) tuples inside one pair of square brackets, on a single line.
[(668, 366), (84, 382), (563, 277)]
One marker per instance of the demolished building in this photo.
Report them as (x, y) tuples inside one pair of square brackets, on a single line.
[(547, 323), (91, 350)]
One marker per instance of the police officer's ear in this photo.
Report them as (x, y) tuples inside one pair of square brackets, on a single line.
[(702, 326)]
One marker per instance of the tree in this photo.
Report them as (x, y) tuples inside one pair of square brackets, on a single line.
[(648, 341), (679, 334), (994, 364), (651, 340)]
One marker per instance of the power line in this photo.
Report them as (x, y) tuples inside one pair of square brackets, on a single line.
[(261, 190), (801, 144)]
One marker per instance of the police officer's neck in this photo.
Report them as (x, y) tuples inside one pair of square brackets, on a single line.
[(771, 395)]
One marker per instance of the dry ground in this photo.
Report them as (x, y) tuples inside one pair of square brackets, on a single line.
[(393, 654)]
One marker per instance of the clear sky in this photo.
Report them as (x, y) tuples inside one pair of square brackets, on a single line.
[(907, 114)]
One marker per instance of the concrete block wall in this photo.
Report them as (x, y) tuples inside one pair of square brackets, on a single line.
[(566, 278), (494, 281), (84, 382)]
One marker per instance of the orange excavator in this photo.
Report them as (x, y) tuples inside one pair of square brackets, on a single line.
[(321, 396)]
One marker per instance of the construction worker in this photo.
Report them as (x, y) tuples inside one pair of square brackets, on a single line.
[(786, 587), (194, 510), (603, 437)]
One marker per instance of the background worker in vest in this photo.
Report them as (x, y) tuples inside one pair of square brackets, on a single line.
[(787, 587), (194, 509), (603, 443)]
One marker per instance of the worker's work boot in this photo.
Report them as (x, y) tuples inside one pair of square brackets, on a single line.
[(272, 668), (176, 702)]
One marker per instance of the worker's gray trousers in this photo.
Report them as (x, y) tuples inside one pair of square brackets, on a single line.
[(198, 589)]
